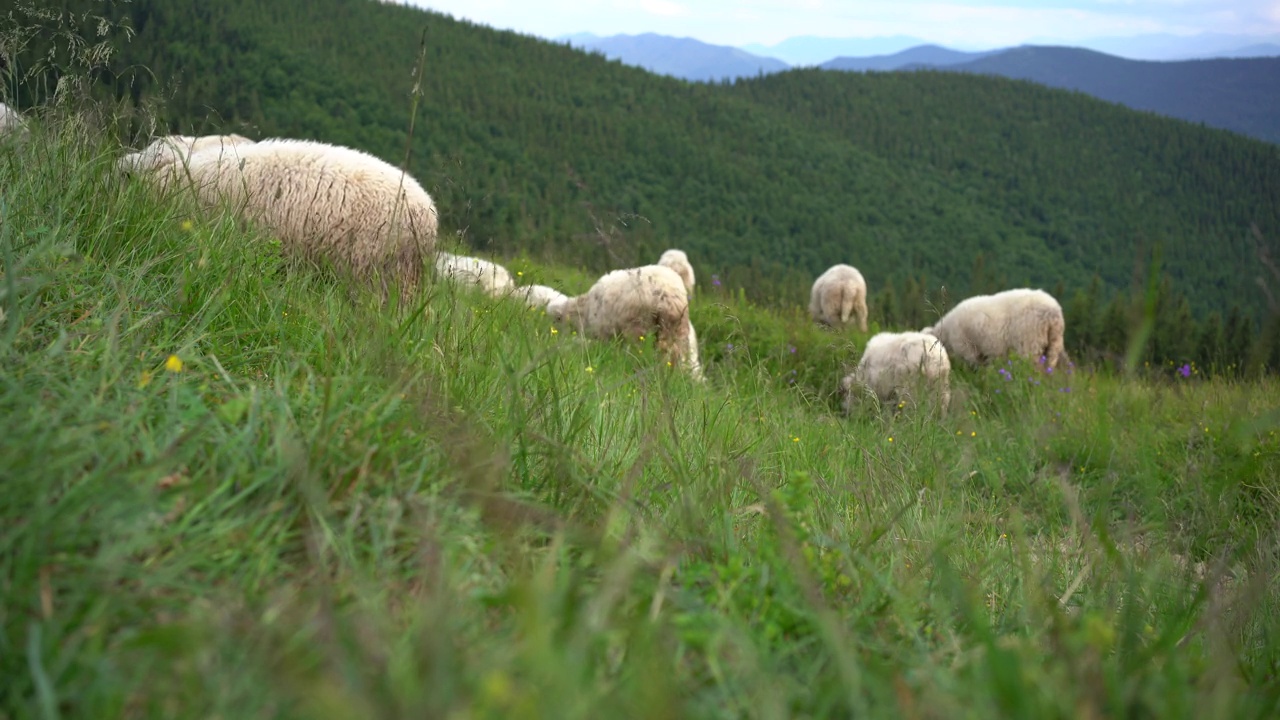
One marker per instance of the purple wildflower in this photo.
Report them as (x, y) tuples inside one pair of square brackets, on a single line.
[(715, 280), (791, 349), (1185, 371), (728, 347)]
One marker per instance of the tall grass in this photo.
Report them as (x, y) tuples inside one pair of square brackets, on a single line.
[(232, 488)]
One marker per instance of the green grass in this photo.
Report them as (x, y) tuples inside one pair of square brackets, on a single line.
[(341, 510)]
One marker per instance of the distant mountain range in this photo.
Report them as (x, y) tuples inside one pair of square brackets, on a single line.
[(921, 55), (1240, 92), (810, 50), (678, 57)]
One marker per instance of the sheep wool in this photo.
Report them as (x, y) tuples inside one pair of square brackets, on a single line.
[(12, 122), (633, 303), (324, 202), (488, 276), (897, 367), (1023, 322), (172, 149), (539, 297), (839, 295), (678, 261)]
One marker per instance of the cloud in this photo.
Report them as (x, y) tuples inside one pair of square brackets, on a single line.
[(665, 8)]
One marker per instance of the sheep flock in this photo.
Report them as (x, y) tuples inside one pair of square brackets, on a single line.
[(341, 207)]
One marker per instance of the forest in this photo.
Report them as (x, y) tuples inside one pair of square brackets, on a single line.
[(936, 185)]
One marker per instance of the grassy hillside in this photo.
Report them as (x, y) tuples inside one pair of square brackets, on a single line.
[(531, 146), (234, 489)]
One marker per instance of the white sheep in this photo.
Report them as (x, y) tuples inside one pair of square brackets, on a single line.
[(12, 122), (323, 202), (838, 296), (171, 149), (896, 367), (491, 277), (539, 296), (1022, 321), (634, 303), (678, 261)]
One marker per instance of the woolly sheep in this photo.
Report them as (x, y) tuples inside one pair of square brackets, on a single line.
[(893, 365), (678, 261), (838, 296), (488, 276), (12, 122), (539, 296), (1022, 321), (324, 202), (633, 303), (172, 149)]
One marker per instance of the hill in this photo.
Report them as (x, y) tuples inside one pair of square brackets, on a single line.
[(234, 489), (920, 179), (681, 57), (925, 55), (1241, 94)]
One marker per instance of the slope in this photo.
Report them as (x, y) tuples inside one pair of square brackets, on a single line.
[(532, 146)]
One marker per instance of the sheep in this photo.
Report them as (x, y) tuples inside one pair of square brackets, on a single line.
[(678, 261), (839, 295), (12, 122), (323, 202), (895, 364), (172, 149), (632, 303), (539, 296), (1023, 321), (491, 277)]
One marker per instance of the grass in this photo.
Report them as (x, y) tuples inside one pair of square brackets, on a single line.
[(338, 510)]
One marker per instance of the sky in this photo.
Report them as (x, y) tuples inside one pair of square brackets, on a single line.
[(958, 23)]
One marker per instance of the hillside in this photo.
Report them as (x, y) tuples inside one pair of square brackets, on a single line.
[(1240, 94), (681, 57), (233, 488), (530, 146)]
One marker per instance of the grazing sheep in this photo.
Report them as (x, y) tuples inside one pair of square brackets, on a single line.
[(633, 303), (539, 296), (895, 364), (488, 276), (839, 295), (12, 122), (172, 149), (324, 202), (678, 261), (1024, 322)]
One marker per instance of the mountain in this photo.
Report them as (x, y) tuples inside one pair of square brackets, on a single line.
[(1242, 95), (1250, 51), (811, 50), (1164, 46), (680, 57), (531, 147), (930, 55)]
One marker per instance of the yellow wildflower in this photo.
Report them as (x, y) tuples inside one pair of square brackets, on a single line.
[(890, 439), (590, 369), (973, 434), (144, 379), (187, 225), (795, 439), (554, 331), (173, 364)]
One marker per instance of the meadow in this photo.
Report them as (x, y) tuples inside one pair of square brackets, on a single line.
[(234, 487)]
